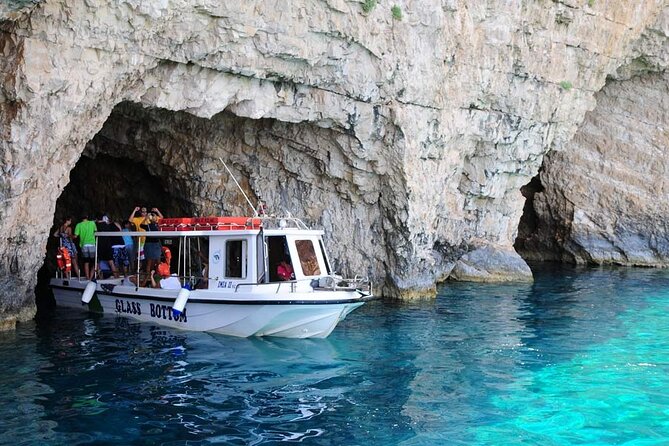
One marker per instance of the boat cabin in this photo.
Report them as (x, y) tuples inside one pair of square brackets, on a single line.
[(223, 253)]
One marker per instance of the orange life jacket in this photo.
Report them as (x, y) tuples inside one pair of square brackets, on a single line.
[(164, 267), (168, 255), (64, 260)]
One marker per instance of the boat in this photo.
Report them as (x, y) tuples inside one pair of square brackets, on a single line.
[(227, 269)]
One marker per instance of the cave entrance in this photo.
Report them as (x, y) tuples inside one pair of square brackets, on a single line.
[(154, 157), (114, 186), (103, 184), (538, 236), (529, 221)]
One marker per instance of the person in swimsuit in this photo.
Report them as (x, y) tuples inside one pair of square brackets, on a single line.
[(64, 233)]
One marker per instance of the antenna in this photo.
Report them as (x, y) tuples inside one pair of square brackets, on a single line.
[(255, 212)]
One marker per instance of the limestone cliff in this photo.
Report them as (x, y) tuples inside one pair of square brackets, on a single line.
[(602, 198), (407, 137)]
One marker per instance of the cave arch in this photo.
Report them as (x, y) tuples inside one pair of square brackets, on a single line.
[(113, 185), (171, 160), (600, 199)]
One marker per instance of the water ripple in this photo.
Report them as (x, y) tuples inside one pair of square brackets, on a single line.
[(578, 357)]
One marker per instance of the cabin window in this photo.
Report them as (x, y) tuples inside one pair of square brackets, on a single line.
[(308, 259), (235, 259)]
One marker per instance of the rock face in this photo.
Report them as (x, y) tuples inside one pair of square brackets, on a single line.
[(603, 198), (408, 140), (491, 265)]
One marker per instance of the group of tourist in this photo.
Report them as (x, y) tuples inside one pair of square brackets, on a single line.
[(119, 254)]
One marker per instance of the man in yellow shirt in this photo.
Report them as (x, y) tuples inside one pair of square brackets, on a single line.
[(137, 221), (144, 220)]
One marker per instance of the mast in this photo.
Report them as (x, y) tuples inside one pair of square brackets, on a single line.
[(255, 212)]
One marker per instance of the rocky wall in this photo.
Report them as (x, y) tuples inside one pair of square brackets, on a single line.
[(426, 125), (602, 198), (605, 196)]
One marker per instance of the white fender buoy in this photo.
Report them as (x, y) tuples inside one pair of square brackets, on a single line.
[(88, 292), (180, 303)]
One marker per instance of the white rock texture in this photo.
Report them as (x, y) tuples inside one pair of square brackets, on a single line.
[(408, 140)]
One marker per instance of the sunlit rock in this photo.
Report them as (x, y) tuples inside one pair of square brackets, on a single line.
[(489, 264)]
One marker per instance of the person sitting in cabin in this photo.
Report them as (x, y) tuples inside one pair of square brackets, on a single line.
[(167, 281), (285, 270)]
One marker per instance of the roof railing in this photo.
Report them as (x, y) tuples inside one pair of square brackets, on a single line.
[(282, 222)]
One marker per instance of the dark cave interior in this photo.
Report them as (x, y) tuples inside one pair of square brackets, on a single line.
[(103, 185)]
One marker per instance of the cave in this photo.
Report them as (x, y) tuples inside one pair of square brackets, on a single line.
[(529, 220), (148, 156), (105, 184)]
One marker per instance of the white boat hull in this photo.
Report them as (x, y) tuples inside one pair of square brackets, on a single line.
[(310, 314)]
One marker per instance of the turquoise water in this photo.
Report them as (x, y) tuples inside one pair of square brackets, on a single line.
[(579, 357)]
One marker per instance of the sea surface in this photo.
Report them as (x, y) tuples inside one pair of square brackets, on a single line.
[(580, 357)]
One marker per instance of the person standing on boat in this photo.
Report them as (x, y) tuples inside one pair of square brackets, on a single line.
[(138, 221), (129, 243), (121, 259), (285, 270), (152, 246), (85, 232), (167, 282), (106, 244), (64, 233)]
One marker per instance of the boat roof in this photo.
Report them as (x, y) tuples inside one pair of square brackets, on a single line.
[(211, 233), (222, 226)]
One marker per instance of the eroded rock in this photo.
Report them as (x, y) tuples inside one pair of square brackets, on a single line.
[(490, 264), (603, 197)]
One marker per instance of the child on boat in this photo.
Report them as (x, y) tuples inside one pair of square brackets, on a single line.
[(168, 282)]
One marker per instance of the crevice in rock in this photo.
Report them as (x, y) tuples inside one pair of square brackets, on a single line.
[(529, 243), (529, 220)]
